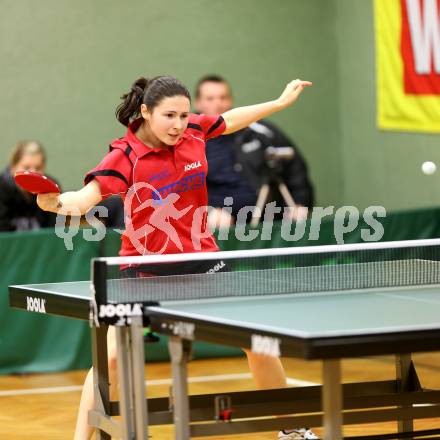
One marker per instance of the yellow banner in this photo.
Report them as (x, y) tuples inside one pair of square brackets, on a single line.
[(408, 64)]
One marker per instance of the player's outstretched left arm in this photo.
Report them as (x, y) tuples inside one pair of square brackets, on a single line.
[(241, 117)]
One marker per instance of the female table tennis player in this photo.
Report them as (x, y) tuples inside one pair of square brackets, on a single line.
[(164, 148)]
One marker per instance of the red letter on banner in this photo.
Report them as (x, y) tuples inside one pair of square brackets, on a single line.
[(420, 46)]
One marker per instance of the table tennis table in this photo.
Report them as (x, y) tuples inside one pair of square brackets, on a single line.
[(316, 321)]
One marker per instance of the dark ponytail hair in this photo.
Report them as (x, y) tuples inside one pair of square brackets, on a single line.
[(149, 92)]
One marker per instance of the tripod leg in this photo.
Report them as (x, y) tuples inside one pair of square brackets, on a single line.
[(288, 199), (298, 212), (261, 201)]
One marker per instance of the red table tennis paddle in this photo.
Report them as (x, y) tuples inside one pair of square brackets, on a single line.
[(36, 183)]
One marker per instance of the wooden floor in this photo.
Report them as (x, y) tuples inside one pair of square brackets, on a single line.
[(44, 406)]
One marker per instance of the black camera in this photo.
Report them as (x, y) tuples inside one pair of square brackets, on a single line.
[(275, 155)]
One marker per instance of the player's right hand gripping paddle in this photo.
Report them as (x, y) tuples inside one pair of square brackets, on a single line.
[(36, 183)]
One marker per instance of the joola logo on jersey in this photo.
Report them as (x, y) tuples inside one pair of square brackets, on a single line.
[(192, 166), (120, 310), (36, 304)]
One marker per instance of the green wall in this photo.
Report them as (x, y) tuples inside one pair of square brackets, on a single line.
[(65, 65), (379, 167)]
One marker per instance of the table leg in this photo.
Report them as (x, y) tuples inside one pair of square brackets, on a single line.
[(180, 351), (403, 375), (125, 380), (101, 389), (138, 361), (332, 399)]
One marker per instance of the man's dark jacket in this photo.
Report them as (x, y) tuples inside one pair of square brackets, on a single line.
[(238, 167)]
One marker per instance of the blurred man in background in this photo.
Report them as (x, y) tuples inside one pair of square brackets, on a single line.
[(238, 162), (18, 208)]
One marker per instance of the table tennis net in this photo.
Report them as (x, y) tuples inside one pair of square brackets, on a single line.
[(250, 274)]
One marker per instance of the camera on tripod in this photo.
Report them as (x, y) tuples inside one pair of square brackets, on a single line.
[(275, 155)]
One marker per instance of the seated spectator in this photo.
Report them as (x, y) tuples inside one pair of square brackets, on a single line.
[(18, 208), (237, 162)]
